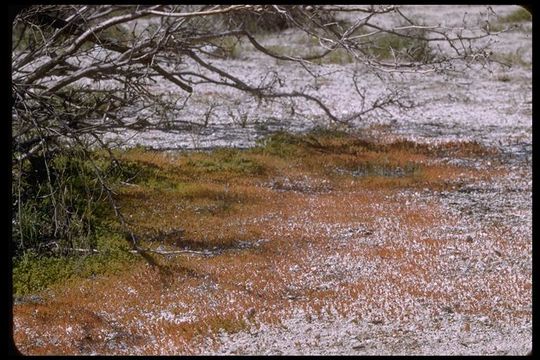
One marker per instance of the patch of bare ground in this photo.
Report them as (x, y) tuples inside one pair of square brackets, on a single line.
[(339, 245)]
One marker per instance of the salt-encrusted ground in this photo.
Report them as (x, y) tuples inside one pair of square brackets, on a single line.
[(492, 105), (473, 270), (470, 291), (468, 106)]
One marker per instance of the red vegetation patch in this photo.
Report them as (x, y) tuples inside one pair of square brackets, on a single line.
[(359, 248)]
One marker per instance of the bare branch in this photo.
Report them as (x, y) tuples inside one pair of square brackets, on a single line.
[(80, 72), (199, 13)]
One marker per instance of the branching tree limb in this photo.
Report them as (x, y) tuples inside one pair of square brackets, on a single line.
[(82, 71)]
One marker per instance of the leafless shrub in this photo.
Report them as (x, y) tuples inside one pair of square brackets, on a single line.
[(81, 71)]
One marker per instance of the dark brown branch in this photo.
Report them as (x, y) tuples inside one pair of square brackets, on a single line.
[(264, 50), (172, 78)]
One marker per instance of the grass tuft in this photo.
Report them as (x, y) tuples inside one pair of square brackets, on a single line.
[(33, 272), (519, 15), (387, 46)]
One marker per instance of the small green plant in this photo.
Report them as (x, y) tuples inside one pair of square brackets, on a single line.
[(279, 144), (34, 272), (226, 160), (267, 23), (493, 27), (257, 24), (23, 39), (59, 199), (228, 324), (519, 15), (512, 58), (283, 50), (504, 78), (329, 132), (62, 218), (337, 56), (228, 47), (410, 46)]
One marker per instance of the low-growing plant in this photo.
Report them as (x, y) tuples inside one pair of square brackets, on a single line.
[(518, 15), (388, 46), (228, 47), (337, 56), (34, 272), (279, 144), (226, 160), (230, 324), (257, 23), (504, 77), (203, 200), (386, 170), (493, 27), (283, 50), (512, 58), (63, 221), (254, 23), (59, 201)]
